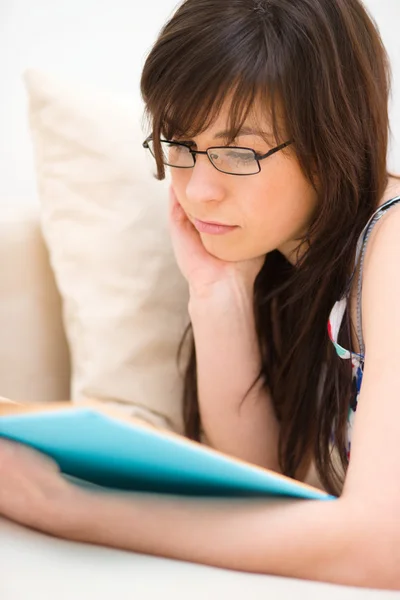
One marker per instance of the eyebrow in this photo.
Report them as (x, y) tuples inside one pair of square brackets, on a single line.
[(242, 131)]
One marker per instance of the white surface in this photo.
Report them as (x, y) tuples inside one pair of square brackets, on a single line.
[(36, 566), (103, 43)]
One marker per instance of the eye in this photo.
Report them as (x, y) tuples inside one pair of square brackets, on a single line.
[(176, 147), (244, 156)]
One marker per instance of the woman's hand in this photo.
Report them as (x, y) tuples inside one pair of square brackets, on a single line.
[(203, 271), (32, 489)]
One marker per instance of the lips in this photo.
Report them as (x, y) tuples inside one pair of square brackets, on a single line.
[(208, 222), (212, 227), (213, 223)]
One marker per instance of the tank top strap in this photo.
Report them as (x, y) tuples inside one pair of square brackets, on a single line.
[(359, 260)]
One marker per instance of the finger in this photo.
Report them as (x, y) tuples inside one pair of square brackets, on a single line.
[(180, 224), (184, 236), (178, 214), (176, 211)]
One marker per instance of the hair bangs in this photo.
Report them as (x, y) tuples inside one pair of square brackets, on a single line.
[(184, 91)]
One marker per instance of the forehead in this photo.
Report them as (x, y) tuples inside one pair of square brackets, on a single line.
[(219, 118), (256, 120)]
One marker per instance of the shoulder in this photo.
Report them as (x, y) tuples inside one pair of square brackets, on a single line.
[(381, 277), (388, 225), (385, 231), (384, 234)]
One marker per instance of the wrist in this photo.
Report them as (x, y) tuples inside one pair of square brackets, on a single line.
[(105, 517), (68, 515), (223, 295)]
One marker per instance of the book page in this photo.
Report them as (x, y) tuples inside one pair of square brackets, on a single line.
[(7, 406), (12, 407)]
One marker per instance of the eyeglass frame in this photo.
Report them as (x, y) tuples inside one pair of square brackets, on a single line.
[(257, 157)]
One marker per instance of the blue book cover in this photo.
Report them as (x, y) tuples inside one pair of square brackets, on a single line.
[(124, 454)]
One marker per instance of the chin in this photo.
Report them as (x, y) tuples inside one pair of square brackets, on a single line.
[(226, 252)]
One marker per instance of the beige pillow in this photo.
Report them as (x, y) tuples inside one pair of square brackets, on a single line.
[(104, 219)]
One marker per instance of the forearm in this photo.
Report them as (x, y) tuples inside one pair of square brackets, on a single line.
[(310, 540), (228, 362)]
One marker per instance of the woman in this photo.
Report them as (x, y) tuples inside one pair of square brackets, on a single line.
[(272, 116)]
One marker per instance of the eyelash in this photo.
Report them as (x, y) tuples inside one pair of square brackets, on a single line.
[(192, 144)]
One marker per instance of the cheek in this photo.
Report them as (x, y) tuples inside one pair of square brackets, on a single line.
[(281, 208), (179, 180), (180, 177)]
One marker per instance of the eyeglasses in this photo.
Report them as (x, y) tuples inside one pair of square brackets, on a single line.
[(231, 160)]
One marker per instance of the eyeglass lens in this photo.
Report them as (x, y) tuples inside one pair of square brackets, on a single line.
[(228, 160)]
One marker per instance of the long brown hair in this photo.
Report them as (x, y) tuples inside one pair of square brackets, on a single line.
[(322, 65)]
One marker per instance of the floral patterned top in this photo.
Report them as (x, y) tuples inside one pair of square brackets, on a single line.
[(339, 309), (357, 361)]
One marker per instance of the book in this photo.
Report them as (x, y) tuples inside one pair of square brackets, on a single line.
[(101, 447)]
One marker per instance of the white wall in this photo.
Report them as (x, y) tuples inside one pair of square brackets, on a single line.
[(103, 42)]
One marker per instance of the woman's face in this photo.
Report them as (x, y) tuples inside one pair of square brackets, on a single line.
[(270, 210)]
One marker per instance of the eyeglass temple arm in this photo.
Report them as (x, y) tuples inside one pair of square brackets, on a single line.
[(277, 149)]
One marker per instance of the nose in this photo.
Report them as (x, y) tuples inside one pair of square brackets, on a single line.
[(206, 184)]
